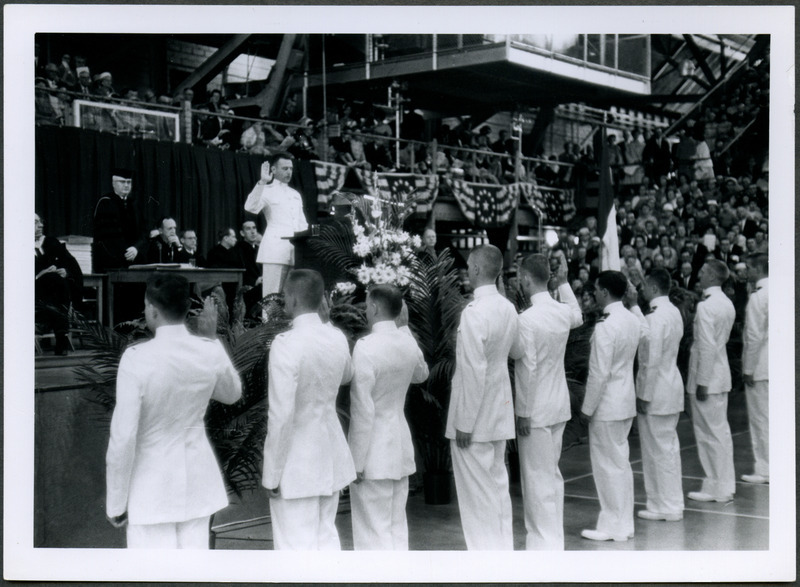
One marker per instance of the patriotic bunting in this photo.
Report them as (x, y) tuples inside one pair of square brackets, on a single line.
[(557, 206), (330, 178), (403, 188), (485, 205)]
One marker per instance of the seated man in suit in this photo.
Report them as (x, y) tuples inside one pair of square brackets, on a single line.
[(59, 282), (166, 247), (189, 243), (306, 458), (248, 251), (385, 363), (225, 255), (162, 478)]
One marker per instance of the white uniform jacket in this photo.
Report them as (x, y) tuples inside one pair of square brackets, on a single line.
[(708, 359), (283, 208), (659, 380), (610, 393), (480, 401), (385, 363), (305, 452), (541, 383), (160, 466), (755, 358)]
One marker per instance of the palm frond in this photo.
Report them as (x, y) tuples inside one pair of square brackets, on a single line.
[(335, 246)]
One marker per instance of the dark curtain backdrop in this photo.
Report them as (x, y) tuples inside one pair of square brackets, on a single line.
[(201, 188)]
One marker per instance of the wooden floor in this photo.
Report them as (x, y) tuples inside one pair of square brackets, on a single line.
[(70, 491)]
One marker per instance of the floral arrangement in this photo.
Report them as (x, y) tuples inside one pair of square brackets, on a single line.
[(386, 253)]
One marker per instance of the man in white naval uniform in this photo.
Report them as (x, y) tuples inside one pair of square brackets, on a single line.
[(480, 417), (755, 365), (659, 401), (306, 458), (708, 383), (385, 363), (542, 400), (282, 207), (162, 477), (609, 406)]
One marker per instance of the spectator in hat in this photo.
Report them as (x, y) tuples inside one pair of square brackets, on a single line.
[(103, 87), (66, 75), (84, 84)]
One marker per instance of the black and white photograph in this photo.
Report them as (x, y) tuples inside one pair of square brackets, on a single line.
[(401, 292)]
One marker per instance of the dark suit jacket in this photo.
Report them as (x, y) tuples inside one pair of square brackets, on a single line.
[(248, 253), (55, 253), (224, 258), (160, 252)]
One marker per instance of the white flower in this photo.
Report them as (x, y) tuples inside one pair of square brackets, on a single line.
[(416, 242), (345, 287), (364, 274)]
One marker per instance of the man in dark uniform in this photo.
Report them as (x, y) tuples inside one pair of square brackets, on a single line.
[(248, 250), (118, 238)]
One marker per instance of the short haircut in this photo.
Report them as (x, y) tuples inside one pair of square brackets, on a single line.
[(661, 279), (489, 259), (719, 269), (537, 266), (170, 294), (224, 232), (273, 159), (255, 225), (760, 261), (164, 219), (307, 286), (388, 297), (614, 281), (185, 230)]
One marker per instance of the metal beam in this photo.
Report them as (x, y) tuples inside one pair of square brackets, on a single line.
[(701, 60), (214, 64), (268, 98)]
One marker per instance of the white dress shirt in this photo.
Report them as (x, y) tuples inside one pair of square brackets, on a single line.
[(480, 401), (160, 466), (541, 383), (385, 363), (305, 452), (283, 208), (610, 393), (659, 380), (708, 359), (755, 359)]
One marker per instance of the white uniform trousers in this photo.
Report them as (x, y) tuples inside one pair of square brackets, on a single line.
[(189, 534), (379, 514), (542, 487), (307, 523), (661, 462), (758, 416), (274, 274), (483, 498), (613, 476), (714, 444)]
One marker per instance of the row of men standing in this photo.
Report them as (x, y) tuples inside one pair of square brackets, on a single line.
[(307, 460), (481, 416)]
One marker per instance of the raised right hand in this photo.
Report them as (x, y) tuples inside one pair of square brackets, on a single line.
[(266, 172)]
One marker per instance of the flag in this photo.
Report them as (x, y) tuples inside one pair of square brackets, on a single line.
[(606, 212), (329, 179), (485, 205), (556, 205), (402, 188)]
